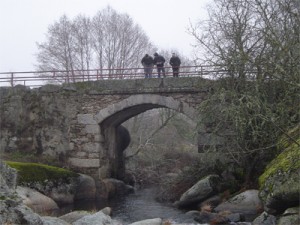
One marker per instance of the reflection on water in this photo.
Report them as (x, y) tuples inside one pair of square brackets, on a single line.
[(138, 206)]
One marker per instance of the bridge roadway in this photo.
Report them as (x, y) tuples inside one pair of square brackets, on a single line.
[(77, 123)]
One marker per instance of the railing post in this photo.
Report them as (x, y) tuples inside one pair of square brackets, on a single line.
[(12, 79), (201, 69)]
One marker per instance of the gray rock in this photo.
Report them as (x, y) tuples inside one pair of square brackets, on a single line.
[(73, 216), (19, 214), (8, 179), (289, 220), (116, 187), (279, 184), (285, 192), (264, 219), (193, 213), (235, 217), (156, 221), (208, 217), (35, 200), (48, 220), (291, 216), (290, 211), (106, 211), (202, 190), (213, 201), (61, 191), (12, 211), (86, 188), (98, 218), (247, 202)]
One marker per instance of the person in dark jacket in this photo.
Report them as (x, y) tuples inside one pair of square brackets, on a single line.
[(159, 61), (175, 63), (147, 62)]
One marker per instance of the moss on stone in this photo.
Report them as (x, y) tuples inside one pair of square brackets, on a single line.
[(34, 172), (285, 162)]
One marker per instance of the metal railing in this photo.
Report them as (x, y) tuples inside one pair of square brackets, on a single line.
[(40, 78)]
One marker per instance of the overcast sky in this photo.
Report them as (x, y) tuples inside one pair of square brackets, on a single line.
[(25, 22)]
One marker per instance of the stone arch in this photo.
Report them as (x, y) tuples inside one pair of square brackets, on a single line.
[(137, 104), (114, 115)]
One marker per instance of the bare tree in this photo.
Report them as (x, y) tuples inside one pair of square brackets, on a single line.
[(107, 41), (118, 42), (83, 43), (58, 52)]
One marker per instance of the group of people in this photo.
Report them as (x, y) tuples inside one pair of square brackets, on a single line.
[(148, 62)]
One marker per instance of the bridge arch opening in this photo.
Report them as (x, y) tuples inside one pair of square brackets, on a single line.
[(110, 119)]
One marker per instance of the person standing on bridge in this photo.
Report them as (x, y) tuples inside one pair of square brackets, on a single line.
[(175, 63), (159, 61), (147, 62)]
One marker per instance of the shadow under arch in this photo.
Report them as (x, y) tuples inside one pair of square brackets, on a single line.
[(110, 118)]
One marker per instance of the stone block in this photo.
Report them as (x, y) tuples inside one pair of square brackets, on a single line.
[(71, 146), (99, 138), (93, 155), (86, 119), (92, 129), (84, 163), (103, 114), (81, 154), (104, 172), (91, 147)]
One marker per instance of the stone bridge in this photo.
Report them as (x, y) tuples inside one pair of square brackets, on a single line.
[(76, 124)]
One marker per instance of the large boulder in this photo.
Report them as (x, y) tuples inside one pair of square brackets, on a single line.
[(200, 191), (12, 211), (279, 184), (54, 182), (48, 220), (8, 179), (98, 218), (116, 187), (86, 188), (247, 202), (264, 219), (211, 218), (35, 200), (73, 216), (155, 221), (78, 214), (290, 216), (289, 220)]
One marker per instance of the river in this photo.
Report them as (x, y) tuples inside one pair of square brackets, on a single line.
[(137, 206)]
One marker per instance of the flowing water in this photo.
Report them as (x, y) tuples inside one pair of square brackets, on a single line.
[(138, 206)]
